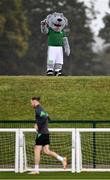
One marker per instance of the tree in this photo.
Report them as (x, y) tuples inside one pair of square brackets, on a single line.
[(105, 32), (14, 35)]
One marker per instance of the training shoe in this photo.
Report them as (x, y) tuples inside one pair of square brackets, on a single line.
[(58, 73), (50, 73), (34, 172), (64, 162)]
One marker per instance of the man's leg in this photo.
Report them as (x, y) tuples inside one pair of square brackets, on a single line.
[(37, 152), (47, 151)]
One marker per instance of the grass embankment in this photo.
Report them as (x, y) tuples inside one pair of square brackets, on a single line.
[(65, 98)]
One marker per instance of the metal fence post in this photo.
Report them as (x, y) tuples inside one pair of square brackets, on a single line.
[(94, 146)]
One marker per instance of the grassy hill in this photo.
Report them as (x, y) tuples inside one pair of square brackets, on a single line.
[(65, 98)]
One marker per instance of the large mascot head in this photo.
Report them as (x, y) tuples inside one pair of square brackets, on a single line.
[(56, 21)]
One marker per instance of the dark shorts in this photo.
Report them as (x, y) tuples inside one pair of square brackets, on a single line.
[(42, 139)]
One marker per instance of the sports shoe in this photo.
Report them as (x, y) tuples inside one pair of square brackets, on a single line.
[(50, 73), (34, 172), (58, 73), (64, 162)]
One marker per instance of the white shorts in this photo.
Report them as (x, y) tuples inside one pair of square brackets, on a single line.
[(55, 55)]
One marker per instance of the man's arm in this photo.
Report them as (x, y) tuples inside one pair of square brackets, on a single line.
[(36, 127), (43, 117)]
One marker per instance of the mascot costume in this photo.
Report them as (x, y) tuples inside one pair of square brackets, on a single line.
[(53, 26)]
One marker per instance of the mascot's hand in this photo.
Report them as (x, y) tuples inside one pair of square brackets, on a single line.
[(43, 23), (44, 26), (67, 50)]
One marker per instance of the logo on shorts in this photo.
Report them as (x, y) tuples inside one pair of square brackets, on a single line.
[(39, 134), (50, 61)]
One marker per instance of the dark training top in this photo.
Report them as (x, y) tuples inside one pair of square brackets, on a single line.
[(41, 120)]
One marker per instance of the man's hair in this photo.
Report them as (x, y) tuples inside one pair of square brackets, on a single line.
[(37, 98)]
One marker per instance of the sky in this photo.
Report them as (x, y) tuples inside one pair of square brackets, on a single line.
[(101, 7)]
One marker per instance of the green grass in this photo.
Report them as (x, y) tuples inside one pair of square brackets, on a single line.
[(56, 175), (65, 98)]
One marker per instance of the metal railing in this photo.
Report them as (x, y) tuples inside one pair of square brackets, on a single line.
[(58, 123)]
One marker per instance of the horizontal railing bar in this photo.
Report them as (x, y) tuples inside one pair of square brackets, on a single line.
[(58, 121)]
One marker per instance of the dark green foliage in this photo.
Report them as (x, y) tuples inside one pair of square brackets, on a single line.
[(13, 34), (105, 32)]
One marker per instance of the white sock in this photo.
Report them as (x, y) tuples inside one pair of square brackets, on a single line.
[(60, 158), (37, 168)]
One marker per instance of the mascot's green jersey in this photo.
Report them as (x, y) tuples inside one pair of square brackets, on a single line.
[(55, 38)]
